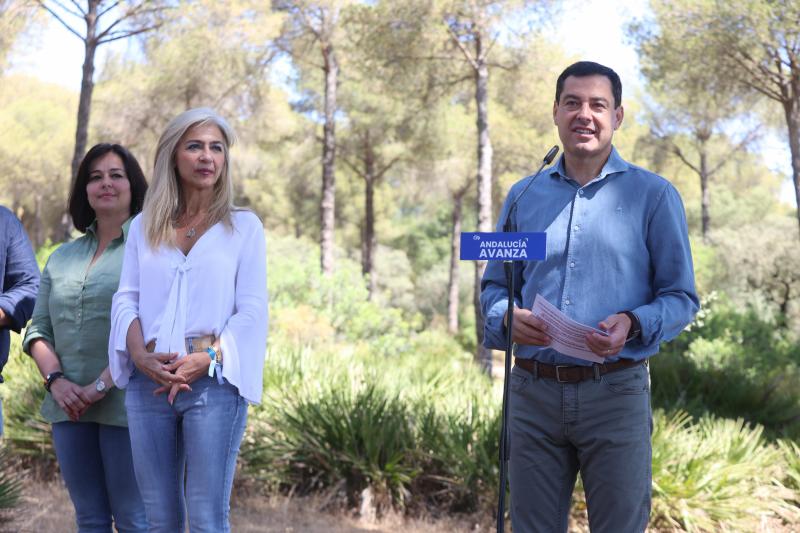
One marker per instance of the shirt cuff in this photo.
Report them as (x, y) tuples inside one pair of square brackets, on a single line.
[(650, 324), (119, 360), (494, 331)]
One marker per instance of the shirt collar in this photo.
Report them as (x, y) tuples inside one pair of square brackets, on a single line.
[(92, 228), (125, 226), (613, 165)]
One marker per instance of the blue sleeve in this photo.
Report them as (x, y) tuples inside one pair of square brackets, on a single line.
[(675, 299), (21, 279), (494, 295)]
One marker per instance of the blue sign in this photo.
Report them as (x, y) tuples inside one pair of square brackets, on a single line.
[(499, 246)]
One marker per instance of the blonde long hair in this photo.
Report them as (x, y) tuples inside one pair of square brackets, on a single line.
[(164, 201)]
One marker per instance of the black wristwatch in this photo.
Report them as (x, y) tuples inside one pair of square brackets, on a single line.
[(51, 377), (636, 327)]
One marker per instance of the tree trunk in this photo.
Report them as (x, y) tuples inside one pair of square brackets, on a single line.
[(87, 87), (38, 229), (16, 204), (483, 355), (368, 237), (455, 252), (704, 194), (328, 201), (792, 111)]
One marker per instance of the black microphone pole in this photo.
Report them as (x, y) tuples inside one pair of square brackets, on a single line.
[(509, 267)]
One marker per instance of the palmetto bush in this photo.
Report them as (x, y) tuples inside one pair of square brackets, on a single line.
[(10, 483), (458, 453), (716, 474), (26, 431), (791, 452), (355, 436), (345, 437), (348, 419)]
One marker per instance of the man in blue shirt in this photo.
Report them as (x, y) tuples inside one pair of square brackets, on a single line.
[(618, 259), (20, 275)]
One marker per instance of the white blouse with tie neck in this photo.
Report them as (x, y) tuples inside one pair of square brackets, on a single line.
[(219, 288)]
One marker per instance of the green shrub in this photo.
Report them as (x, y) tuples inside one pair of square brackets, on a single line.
[(345, 437), (732, 364), (380, 421), (27, 432), (715, 475), (459, 452), (10, 482), (791, 453), (341, 299)]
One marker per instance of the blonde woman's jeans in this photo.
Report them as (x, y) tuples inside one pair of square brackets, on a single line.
[(185, 454)]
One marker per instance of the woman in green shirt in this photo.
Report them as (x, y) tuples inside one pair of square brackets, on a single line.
[(68, 339)]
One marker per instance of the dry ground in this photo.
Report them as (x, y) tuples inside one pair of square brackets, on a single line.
[(46, 508)]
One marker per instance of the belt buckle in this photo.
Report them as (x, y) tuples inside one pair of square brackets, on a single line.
[(558, 375)]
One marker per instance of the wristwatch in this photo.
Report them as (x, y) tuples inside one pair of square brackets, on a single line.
[(51, 377), (100, 386), (636, 327)]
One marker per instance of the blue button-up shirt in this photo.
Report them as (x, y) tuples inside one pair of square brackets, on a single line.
[(20, 277), (619, 243)]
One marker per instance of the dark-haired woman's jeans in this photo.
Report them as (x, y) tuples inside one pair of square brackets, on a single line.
[(95, 462), (184, 454)]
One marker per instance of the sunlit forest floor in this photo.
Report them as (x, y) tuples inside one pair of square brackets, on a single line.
[(45, 508)]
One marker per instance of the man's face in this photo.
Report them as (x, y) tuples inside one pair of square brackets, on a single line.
[(585, 116)]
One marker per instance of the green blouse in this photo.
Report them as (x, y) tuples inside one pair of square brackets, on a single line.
[(73, 313)]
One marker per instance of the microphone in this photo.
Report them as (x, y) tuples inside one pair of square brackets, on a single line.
[(546, 161)]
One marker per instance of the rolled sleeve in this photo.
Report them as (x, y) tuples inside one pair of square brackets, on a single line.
[(494, 332), (41, 326)]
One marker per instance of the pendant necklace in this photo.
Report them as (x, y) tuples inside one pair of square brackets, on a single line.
[(192, 230)]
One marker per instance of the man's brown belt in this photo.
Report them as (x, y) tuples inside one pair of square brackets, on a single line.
[(572, 373)]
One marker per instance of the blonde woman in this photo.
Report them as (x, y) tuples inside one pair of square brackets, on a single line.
[(189, 327)]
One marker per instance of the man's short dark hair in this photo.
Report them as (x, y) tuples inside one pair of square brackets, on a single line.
[(590, 68), (79, 209)]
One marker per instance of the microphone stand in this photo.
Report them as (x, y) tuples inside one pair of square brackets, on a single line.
[(510, 270)]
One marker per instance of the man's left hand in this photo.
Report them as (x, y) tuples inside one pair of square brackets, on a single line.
[(617, 326)]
